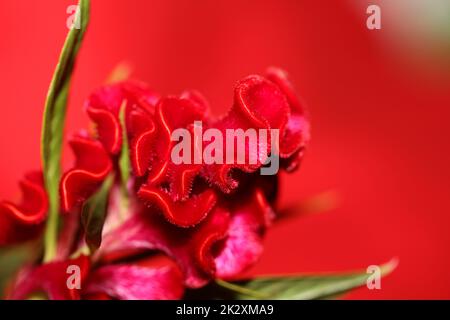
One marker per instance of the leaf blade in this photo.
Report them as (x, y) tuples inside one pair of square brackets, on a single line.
[(304, 287), (53, 125), (94, 213)]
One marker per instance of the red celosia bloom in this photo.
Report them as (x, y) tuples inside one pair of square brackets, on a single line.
[(24, 221), (210, 219)]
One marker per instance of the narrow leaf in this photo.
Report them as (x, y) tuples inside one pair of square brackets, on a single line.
[(302, 287), (94, 213), (53, 124)]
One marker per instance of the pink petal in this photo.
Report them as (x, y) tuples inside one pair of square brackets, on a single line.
[(133, 282)]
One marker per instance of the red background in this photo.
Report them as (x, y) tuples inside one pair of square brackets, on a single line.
[(379, 116)]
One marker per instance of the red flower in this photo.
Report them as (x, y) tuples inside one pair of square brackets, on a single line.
[(209, 218), (24, 221), (224, 245), (91, 168), (119, 281), (49, 279), (260, 103)]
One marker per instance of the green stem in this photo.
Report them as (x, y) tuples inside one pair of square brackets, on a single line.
[(53, 126), (51, 232)]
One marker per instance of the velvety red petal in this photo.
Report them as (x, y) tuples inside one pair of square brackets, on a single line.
[(297, 132), (24, 221), (50, 279), (181, 213), (142, 144), (191, 248), (243, 245), (259, 104), (224, 245), (103, 107), (108, 128), (182, 178), (134, 282), (91, 168), (171, 114)]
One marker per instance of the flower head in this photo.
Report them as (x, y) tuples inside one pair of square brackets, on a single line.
[(210, 219)]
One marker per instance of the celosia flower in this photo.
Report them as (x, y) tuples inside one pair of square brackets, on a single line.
[(24, 221), (209, 218)]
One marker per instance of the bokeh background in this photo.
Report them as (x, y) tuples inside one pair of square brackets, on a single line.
[(379, 103)]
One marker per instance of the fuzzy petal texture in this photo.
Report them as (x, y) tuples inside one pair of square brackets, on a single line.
[(103, 107), (224, 245), (297, 133), (92, 166), (267, 103), (243, 245), (181, 213), (258, 104), (190, 248)]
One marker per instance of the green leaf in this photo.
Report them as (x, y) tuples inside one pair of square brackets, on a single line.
[(301, 287), (53, 125), (94, 213)]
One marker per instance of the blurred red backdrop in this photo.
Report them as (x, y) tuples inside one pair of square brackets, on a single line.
[(380, 115)]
